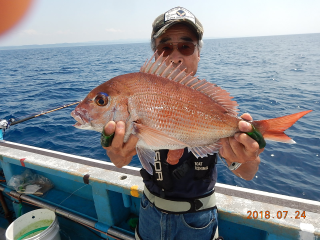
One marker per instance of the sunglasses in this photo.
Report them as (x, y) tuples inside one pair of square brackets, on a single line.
[(185, 48)]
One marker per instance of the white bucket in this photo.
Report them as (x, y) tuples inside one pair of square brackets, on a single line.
[(37, 219)]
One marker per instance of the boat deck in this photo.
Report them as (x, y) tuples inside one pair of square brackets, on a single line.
[(2, 233), (106, 197)]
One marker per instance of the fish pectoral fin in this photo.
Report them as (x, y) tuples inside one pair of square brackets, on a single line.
[(154, 137), (146, 157), (174, 156), (205, 150)]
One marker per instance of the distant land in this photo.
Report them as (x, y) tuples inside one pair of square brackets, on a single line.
[(126, 41)]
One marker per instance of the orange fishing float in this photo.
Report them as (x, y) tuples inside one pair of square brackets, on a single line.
[(11, 12)]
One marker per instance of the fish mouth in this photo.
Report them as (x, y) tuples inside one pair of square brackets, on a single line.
[(82, 122)]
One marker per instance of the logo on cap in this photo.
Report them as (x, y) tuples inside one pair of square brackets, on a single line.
[(178, 13), (181, 13)]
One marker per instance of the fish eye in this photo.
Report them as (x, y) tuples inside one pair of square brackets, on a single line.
[(101, 99)]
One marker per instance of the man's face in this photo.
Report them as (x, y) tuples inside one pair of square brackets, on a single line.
[(181, 33)]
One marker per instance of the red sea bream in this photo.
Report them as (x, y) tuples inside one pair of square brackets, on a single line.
[(169, 109)]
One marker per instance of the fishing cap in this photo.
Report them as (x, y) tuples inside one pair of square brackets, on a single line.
[(173, 16)]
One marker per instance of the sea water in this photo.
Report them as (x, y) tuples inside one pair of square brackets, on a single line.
[(268, 77)]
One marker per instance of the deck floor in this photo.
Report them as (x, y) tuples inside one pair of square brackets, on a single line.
[(2, 233)]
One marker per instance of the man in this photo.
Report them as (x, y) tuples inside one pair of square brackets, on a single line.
[(179, 202)]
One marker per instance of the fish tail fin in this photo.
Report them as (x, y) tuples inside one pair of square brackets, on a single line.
[(273, 129)]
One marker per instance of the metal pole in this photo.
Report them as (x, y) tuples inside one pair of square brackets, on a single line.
[(76, 218), (7, 213)]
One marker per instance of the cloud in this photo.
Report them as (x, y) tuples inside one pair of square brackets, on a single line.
[(66, 32), (113, 30)]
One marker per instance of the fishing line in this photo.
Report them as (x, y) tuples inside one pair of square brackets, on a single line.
[(72, 194)]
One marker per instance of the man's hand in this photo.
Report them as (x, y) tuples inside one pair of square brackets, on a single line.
[(120, 153), (242, 149)]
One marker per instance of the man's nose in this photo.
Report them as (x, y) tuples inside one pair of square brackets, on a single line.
[(175, 56)]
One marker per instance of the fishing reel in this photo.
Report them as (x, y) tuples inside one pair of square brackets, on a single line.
[(4, 125)]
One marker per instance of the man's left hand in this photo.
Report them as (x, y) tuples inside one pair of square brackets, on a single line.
[(242, 148)]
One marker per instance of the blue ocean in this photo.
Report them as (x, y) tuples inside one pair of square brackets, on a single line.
[(268, 76)]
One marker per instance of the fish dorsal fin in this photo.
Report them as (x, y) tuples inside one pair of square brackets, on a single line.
[(219, 95)]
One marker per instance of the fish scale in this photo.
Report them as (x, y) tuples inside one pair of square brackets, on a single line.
[(198, 127)]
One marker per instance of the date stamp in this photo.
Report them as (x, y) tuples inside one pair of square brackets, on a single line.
[(276, 215)]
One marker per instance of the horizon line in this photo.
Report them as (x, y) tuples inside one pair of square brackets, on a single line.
[(126, 41)]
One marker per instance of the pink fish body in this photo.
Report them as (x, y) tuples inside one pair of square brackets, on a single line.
[(168, 109)]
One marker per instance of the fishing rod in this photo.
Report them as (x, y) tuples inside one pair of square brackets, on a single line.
[(4, 124)]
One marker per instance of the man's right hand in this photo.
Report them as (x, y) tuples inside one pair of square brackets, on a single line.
[(120, 153)]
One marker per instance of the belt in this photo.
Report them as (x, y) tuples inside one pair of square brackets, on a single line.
[(182, 206)]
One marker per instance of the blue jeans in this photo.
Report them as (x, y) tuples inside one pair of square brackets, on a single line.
[(157, 225)]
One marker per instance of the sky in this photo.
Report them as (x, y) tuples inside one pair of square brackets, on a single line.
[(78, 21)]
